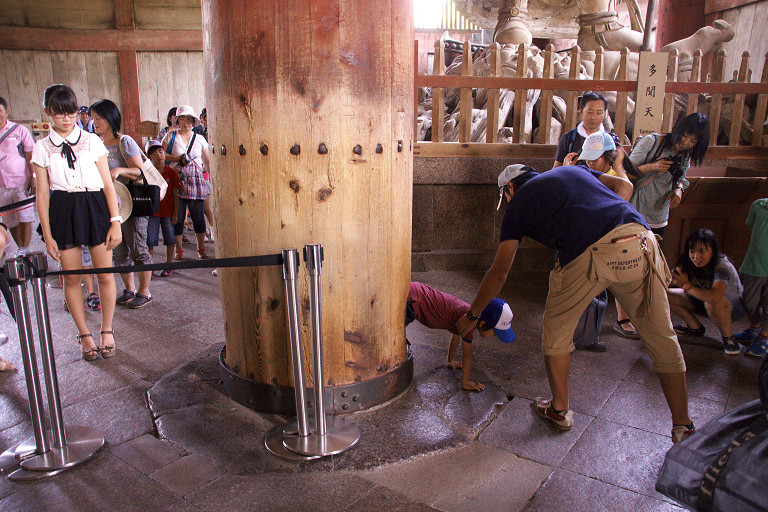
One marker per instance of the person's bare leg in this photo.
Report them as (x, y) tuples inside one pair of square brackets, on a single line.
[(558, 368), (144, 279), (682, 307), (71, 259), (676, 392), (102, 258), (720, 313)]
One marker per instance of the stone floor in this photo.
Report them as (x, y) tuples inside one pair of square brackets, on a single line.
[(176, 443)]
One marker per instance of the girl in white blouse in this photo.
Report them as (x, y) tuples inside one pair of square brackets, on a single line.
[(81, 210)]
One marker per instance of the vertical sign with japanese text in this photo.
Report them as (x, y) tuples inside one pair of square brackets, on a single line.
[(651, 79)]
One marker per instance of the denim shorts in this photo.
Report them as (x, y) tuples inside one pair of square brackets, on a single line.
[(737, 308), (155, 224)]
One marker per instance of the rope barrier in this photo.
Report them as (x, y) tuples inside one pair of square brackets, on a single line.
[(14, 207), (243, 261)]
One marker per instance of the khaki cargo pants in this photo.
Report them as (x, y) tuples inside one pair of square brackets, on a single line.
[(628, 262)]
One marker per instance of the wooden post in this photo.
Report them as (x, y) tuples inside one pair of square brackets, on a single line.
[(760, 109), (545, 111), (572, 97), (314, 106), (717, 99), (599, 56), (621, 98), (669, 98), (521, 95), (438, 94), (738, 104), (693, 98), (492, 106), (465, 98)]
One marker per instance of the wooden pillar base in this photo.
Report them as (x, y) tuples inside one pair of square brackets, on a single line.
[(341, 399)]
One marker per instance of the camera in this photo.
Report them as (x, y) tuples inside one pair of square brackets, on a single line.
[(676, 169)]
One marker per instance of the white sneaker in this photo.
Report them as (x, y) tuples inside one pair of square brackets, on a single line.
[(215, 272)]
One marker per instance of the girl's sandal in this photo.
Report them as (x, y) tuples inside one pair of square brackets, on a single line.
[(92, 353), (107, 350)]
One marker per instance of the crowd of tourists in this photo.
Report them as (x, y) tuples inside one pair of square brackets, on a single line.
[(78, 166), (603, 212)]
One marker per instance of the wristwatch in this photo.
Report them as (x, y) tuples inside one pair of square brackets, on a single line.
[(472, 317)]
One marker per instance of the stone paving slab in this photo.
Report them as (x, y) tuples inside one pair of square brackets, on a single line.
[(649, 411), (276, 492), (476, 477), (519, 430), (619, 455), (381, 499), (120, 415), (187, 474), (104, 483), (147, 453), (566, 491)]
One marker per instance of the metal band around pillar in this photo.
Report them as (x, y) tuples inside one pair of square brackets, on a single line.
[(71, 445)]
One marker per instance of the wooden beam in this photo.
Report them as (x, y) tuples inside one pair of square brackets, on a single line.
[(503, 150), (52, 39), (124, 15), (129, 89), (713, 6)]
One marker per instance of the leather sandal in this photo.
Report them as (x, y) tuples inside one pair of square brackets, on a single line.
[(92, 353), (107, 350)]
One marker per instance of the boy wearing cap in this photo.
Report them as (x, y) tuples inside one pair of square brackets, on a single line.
[(439, 310), (166, 215), (602, 242)]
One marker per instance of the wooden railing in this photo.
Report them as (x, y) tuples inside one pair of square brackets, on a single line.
[(544, 147)]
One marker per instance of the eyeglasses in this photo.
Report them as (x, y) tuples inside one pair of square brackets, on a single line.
[(62, 116)]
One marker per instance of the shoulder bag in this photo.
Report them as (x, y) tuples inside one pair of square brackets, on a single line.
[(145, 196), (150, 174)]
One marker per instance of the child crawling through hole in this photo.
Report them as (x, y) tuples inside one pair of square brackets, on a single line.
[(439, 310)]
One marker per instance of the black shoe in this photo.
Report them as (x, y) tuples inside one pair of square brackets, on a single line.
[(684, 329), (126, 297), (598, 346)]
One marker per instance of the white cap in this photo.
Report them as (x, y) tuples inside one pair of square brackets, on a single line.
[(187, 110)]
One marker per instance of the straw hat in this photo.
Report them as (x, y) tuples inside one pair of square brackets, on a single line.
[(124, 201)]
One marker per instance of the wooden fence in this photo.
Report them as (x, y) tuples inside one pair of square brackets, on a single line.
[(544, 147)]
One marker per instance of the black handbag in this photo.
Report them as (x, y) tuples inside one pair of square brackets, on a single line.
[(146, 197)]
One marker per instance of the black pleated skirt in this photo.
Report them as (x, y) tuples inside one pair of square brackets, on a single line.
[(79, 218)]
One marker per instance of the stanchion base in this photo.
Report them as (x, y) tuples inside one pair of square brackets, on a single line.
[(274, 443), (82, 444), (22, 475), (12, 457), (340, 436)]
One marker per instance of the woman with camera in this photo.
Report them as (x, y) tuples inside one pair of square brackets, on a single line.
[(658, 174), (662, 162)]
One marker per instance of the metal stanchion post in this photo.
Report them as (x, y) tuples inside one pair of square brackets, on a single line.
[(71, 445), (332, 434), (16, 273), (274, 439)]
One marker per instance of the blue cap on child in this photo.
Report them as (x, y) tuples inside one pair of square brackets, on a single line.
[(499, 315)]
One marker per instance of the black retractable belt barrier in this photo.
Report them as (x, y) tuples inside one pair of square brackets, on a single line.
[(71, 445)]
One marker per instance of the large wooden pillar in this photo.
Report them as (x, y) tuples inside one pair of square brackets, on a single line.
[(312, 101), (677, 19)]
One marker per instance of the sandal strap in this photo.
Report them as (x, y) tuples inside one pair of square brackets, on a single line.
[(622, 322), (107, 332), (81, 336)]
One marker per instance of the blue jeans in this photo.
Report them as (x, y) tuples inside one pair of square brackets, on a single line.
[(153, 231)]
